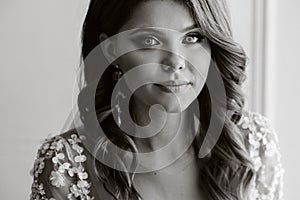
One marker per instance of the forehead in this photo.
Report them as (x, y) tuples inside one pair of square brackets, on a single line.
[(163, 14)]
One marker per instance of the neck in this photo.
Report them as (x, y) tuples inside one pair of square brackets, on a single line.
[(177, 131)]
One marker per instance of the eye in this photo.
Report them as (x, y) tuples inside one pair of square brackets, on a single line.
[(150, 41), (193, 38)]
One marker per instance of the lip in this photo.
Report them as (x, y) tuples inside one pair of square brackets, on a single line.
[(173, 83), (173, 86)]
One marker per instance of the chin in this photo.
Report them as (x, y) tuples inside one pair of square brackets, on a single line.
[(176, 110), (174, 107), (172, 103)]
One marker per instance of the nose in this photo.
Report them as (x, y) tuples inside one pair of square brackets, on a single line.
[(173, 63)]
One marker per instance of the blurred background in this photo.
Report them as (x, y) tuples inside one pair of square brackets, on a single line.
[(39, 54)]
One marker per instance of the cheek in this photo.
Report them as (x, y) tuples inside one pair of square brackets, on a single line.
[(139, 72), (200, 72), (202, 68), (135, 59), (201, 61), (141, 66), (199, 58)]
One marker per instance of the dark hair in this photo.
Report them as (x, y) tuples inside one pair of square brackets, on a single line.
[(227, 171)]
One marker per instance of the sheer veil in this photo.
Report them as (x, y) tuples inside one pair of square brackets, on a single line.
[(73, 119)]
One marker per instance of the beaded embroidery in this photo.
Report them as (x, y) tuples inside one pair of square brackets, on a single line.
[(261, 141)]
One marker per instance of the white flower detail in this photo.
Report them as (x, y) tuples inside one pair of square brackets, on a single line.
[(82, 175), (57, 179), (80, 158)]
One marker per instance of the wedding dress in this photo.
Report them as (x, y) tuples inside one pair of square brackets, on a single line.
[(59, 170)]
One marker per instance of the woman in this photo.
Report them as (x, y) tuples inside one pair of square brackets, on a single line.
[(179, 72)]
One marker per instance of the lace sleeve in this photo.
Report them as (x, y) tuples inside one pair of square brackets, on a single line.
[(264, 150), (58, 172)]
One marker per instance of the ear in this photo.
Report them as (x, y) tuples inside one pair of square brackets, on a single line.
[(108, 47)]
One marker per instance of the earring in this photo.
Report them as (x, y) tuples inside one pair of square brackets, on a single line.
[(117, 74)]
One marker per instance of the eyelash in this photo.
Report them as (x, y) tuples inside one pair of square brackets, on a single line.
[(197, 35), (194, 34), (148, 37)]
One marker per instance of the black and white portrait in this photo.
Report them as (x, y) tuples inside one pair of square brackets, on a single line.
[(149, 100)]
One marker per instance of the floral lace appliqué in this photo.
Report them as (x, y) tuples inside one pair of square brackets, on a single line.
[(66, 166), (265, 152)]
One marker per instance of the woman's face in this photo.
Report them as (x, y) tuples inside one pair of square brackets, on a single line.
[(178, 53)]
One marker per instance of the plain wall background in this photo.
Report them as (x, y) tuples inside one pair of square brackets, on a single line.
[(40, 54)]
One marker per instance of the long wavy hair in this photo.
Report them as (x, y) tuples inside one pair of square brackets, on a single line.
[(227, 171)]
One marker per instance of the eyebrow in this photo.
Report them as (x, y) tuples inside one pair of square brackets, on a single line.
[(190, 28), (153, 29)]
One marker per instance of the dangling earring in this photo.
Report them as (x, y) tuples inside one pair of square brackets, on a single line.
[(117, 74)]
